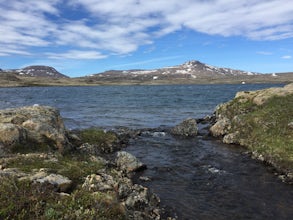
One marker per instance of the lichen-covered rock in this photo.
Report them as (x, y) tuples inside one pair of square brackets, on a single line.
[(32, 125), (128, 163), (143, 202), (99, 182), (221, 127), (12, 172), (187, 128), (259, 97), (232, 138), (62, 183), (12, 134)]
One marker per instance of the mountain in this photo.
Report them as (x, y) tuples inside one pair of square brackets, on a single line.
[(191, 72), (37, 71), (188, 70)]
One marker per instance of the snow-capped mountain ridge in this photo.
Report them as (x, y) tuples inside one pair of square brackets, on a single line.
[(191, 69), (38, 71)]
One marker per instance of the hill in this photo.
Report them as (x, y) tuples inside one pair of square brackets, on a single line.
[(188, 70), (39, 71), (191, 72)]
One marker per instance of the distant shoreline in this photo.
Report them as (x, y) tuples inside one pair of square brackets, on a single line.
[(43, 81)]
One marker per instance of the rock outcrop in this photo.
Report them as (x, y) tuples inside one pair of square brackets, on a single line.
[(259, 97), (187, 128), (61, 183), (32, 125), (87, 170), (261, 121), (230, 113)]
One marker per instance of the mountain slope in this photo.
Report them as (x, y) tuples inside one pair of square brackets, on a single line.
[(40, 71), (188, 70)]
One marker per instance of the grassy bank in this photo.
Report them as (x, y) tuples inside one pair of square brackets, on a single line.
[(265, 129)]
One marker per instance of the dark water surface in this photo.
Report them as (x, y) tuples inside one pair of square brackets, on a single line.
[(198, 178)]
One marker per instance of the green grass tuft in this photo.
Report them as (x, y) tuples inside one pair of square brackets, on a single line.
[(97, 137)]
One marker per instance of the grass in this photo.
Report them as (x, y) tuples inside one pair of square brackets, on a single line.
[(74, 166), (103, 141), (97, 136), (264, 129), (27, 200)]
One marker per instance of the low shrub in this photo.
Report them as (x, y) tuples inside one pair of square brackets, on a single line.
[(26, 200)]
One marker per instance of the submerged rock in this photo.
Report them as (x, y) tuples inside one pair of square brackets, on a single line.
[(187, 128)]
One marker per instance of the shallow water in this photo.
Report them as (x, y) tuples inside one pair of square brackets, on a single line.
[(198, 178), (201, 178)]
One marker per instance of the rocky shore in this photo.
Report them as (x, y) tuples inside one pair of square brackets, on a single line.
[(68, 175), (261, 121)]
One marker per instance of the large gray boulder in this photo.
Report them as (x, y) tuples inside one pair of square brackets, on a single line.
[(187, 128), (61, 183), (128, 163), (32, 125)]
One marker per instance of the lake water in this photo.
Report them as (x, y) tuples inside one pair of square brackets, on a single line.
[(198, 178), (131, 106)]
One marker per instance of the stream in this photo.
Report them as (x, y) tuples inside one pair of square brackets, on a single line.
[(201, 178)]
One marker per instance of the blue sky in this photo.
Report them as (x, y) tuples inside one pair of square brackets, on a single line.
[(80, 37)]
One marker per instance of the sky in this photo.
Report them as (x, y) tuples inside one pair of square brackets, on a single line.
[(82, 37)]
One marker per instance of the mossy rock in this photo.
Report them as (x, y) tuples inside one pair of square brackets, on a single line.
[(104, 142)]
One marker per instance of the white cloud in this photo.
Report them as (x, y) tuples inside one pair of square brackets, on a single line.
[(6, 50), (286, 57), (121, 26), (266, 53), (76, 54)]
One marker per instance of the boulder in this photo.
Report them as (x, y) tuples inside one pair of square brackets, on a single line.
[(143, 202), (33, 125), (232, 138), (12, 172), (12, 134), (128, 163), (259, 97), (221, 127), (187, 128), (99, 182), (62, 183)]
